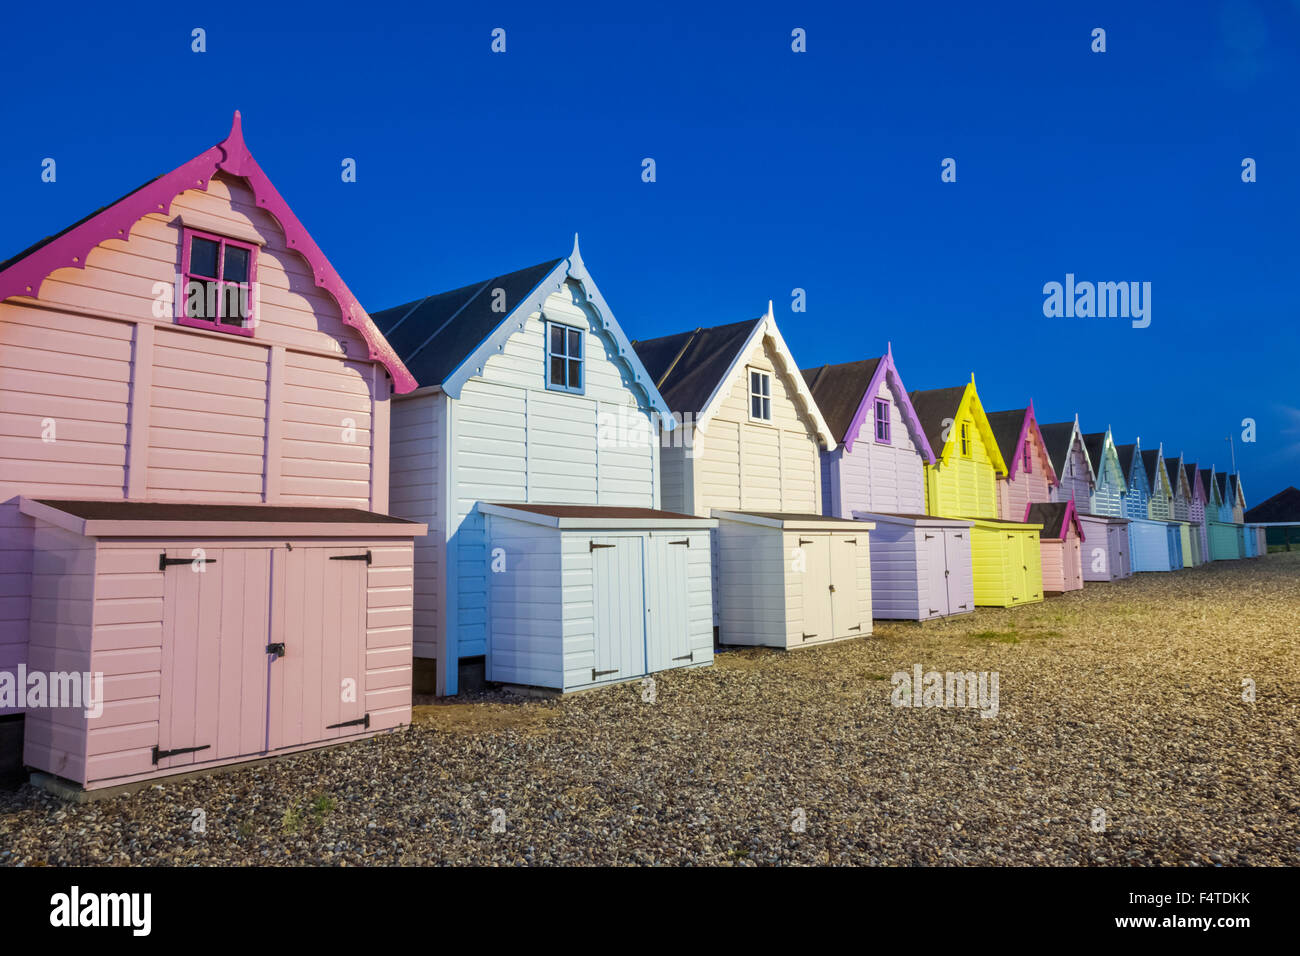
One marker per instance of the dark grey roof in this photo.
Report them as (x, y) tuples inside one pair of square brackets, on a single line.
[(1222, 479), (1207, 480), (1125, 453), (1149, 461), (838, 391), (1283, 506), (933, 406), (1056, 437), (1095, 443), (1006, 427), (1172, 469), (1189, 473), (434, 335), (687, 367), (1051, 515)]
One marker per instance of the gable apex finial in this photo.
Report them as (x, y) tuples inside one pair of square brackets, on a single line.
[(575, 253), (771, 317)]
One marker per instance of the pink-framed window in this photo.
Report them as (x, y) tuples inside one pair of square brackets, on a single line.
[(882, 421), (219, 278)]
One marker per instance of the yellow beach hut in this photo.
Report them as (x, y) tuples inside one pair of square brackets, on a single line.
[(962, 483)]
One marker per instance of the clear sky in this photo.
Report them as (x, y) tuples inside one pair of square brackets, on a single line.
[(775, 170)]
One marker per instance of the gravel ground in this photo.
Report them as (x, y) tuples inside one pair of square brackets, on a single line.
[(1125, 698)]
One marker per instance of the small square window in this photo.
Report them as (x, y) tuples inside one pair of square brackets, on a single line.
[(564, 358), (882, 421), (219, 279), (760, 396)]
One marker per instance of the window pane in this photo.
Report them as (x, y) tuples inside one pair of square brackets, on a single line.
[(203, 257), (557, 340), (767, 385), (767, 409), (754, 382), (756, 407), (200, 299), (234, 304), (235, 268), (575, 343), (575, 373), (557, 371)]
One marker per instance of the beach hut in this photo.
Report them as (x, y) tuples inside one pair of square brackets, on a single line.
[(1152, 542), (531, 450), (1160, 504), (194, 489), (1249, 533), (1182, 511), (1105, 555), (1197, 500), (1226, 542), (1030, 477), (1108, 500), (785, 574), (962, 483), (920, 564), (1062, 542)]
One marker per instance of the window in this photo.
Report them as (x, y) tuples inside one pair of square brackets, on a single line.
[(965, 440), (882, 421), (564, 358), (220, 276), (760, 396), (1028, 458)]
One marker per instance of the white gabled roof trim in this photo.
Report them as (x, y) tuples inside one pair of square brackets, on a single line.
[(764, 329)]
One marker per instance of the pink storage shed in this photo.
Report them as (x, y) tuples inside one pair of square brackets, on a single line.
[(1062, 541), (193, 487)]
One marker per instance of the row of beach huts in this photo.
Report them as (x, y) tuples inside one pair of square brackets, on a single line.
[(256, 518)]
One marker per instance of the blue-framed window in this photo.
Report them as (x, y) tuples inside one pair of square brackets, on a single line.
[(564, 359)]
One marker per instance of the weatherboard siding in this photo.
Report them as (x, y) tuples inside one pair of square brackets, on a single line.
[(1024, 488), (758, 466), (963, 487), (416, 493), (1075, 485), (513, 440), (878, 477)]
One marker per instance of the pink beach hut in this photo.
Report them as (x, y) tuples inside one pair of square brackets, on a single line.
[(194, 487)]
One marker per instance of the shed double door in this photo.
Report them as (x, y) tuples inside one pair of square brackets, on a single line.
[(827, 585), (227, 688), (1024, 567), (1118, 539), (947, 557)]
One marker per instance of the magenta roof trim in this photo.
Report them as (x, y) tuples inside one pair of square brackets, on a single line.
[(231, 155), (887, 366), (1013, 463)]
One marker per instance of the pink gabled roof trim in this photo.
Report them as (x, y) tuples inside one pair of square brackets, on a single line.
[(1071, 515), (231, 155), (1013, 464), (887, 366)]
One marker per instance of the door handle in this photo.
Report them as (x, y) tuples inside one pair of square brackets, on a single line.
[(276, 649), (832, 587)]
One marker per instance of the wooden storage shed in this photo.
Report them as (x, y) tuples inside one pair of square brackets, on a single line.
[(530, 395), (1062, 543), (1108, 558), (193, 474), (632, 587), (962, 483), (748, 454), (1153, 543), (1104, 554), (920, 564)]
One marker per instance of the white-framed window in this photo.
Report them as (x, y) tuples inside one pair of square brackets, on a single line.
[(760, 395)]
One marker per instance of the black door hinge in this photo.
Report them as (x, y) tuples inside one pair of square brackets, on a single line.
[(165, 562), (686, 657), (359, 722), (807, 540), (595, 673), (351, 557), (685, 541), (161, 754), (856, 627), (928, 537), (594, 546), (806, 636)]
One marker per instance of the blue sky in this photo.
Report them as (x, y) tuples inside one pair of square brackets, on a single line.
[(775, 171)]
